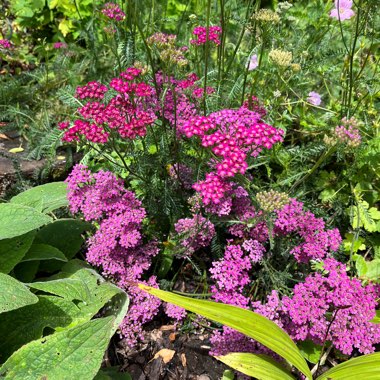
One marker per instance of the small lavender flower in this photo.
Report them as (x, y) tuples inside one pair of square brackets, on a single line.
[(253, 62), (314, 98), (342, 10)]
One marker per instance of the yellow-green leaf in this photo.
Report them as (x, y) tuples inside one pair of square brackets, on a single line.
[(65, 26), (16, 150), (261, 367), (364, 367)]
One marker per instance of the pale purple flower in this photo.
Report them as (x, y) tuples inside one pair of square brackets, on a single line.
[(253, 62), (314, 98), (342, 10)]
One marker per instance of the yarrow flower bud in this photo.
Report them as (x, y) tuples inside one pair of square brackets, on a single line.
[(272, 200), (162, 40), (267, 15), (281, 58), (348, 135)]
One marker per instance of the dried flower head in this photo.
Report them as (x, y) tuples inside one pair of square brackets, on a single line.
[(267, 15), (281, 58)]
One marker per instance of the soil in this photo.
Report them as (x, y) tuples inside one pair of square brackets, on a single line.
[(152, 360), (17, 169)]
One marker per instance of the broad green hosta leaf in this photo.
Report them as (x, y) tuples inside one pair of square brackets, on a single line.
[(261, 367), (18, 327), (13, 250), (14, 294), (45, 198), (364, 367), (44, 252), (78, 295), (245, 321), (67, 288), (80, 283), (17, 220), (65, 235), (75, 353)]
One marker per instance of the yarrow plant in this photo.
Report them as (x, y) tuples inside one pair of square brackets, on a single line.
[(117, 247), (204, 34), (113, 11), (5, 44), (60, 45)]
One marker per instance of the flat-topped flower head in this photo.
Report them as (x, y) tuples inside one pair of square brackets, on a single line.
[(113, 11), (202, 36), (5, 44)]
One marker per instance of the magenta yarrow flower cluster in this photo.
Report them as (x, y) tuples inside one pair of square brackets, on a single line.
[(124, 115), (117, 246), (202, 36), (60, 45), (194, 233), (348, 135), (5, 44), (231, 273), (233, 136), (330, 306), (92, 90), (113, 11), (315, 242), (336, 303), (343, 10)]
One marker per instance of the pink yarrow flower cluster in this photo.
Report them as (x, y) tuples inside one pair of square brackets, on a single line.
[(343, 10), (60, 45), (5, 44), (348, 135), (315, 241), (194, 233), (113, 11), (231, 273), (329, 306), (117, 246), (202, 36), (233, 136), (92, 90), (336, 303), (125, 114)]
